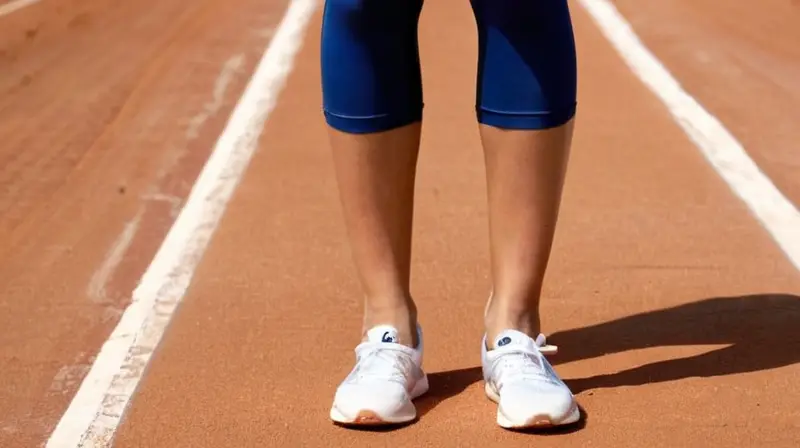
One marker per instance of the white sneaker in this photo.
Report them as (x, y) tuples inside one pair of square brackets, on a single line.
[(386, 377), (522, 382)]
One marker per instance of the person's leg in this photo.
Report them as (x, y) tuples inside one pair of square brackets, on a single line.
[(526, 102), (372, 92)]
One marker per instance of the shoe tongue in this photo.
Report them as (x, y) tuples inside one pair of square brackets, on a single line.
[(382, 333), (513, 337)]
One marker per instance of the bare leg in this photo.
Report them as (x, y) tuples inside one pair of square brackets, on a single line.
[(525, 173), (372, 94), (375, 174)]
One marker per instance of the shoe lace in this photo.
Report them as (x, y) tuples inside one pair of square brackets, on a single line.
[(517, 364), (384, 363)]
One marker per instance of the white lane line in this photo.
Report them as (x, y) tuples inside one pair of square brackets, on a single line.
[(776, 213), (95, 412), (8, 8)]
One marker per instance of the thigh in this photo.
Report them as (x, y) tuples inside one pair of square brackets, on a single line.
[(370, 63), (527, 74)]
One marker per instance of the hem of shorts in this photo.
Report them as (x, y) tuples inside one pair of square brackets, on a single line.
[(525, 120), (370, 124)]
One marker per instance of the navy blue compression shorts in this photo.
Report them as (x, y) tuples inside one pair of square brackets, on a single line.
[(371, 81)]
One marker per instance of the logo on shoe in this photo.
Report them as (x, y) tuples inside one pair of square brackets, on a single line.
[(388, 337), (505, 341)]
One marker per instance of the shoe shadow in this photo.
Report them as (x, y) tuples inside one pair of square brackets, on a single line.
[(446, 384), (760, 332)]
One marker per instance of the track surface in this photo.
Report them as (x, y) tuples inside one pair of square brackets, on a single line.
[(675, 311)]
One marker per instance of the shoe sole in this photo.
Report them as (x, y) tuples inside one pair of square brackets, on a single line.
[(536, 421), (366, 417), (369, 417)]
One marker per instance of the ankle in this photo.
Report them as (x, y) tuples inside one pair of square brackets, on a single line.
[(499, 319), (402, 316)]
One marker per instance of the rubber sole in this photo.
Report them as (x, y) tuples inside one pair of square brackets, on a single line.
[(366, 417), (536, 421), (370, 417)]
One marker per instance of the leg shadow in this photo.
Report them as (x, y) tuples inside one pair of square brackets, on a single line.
[(761, 332)]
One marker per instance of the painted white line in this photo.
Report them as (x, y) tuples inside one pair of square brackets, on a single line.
[(231, 67), (97, 285), (776, 213), (8, 8), (95, 412)]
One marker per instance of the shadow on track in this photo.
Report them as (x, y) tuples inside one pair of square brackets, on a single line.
[(761, 332)]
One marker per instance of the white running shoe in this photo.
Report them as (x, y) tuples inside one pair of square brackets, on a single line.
[(386, 377), (522, 382)]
